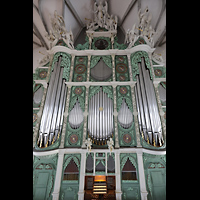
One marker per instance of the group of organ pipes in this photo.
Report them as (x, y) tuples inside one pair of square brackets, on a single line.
[(148, 114), (52, 116), (100, 117)]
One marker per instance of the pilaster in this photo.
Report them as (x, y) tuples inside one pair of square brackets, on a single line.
[(118, 191), (143, 190), (82, 177), (57, 182)]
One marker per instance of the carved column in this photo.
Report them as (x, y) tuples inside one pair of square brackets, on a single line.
[(129, 65), (118, 191), (82, 177), (113, 63), (65, 117), (88, 69), (85, 117), (141, 175), (58, 177), (72, 68), (115, 117)]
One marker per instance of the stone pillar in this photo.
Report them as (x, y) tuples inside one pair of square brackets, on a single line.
[(143, 190), (57, 182), (118, 191), (82, 177)]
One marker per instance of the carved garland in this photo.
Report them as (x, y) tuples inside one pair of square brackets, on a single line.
[(95, 59), (66, 63), (135, 58), (76, 158), (80, 96), (95, 89), (124, 159)]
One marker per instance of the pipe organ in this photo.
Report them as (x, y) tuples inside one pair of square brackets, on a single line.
[(100, 118), (52, 116), (148, 115)]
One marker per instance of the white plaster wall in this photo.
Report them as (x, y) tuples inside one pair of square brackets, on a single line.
[(37, 55)]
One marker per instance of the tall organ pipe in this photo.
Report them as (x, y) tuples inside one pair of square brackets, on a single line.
[(148, 114)]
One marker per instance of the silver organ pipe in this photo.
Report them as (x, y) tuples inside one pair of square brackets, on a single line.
[(52, 116), (125, 117), (148, 114), (100, 119), (76, 116)]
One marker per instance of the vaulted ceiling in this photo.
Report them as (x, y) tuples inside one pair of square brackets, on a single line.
[(77, 12)]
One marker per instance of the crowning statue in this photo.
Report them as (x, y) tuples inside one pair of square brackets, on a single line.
[(102, 19), (146, 30), (59, 32)]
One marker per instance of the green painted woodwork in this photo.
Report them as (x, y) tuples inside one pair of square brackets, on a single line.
[(135, 58), (131, 131), (69, 188), (130, 188), (80, 97), (36, 75), (117, 45), (35, 88), (127, 96), (95, 59), (155, 176), (121, 131), (69, 132), (121, 75), (66, 63), (79, 131), (83, 46), (44, 171), (80, 76)]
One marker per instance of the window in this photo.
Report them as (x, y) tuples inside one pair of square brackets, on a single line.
[(71, 171), (129, 171)]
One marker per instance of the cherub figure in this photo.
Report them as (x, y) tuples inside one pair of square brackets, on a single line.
[(88, 142), (110, 144)]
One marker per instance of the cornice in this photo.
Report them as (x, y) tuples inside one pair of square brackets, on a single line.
[(86, 52)]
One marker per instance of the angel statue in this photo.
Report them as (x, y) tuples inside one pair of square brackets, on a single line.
[(110, 145), (88, 142), (142, 18), (99, 12), (131, 36)]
